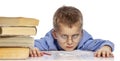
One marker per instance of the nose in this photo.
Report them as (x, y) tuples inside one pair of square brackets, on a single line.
[(70, 41)]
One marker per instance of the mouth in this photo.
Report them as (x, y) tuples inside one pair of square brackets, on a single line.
[(69, 46)]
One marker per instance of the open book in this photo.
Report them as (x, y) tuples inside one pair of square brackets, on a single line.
[(69, 55), (76, 55)]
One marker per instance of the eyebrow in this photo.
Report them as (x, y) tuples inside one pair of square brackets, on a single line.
[(71, 35)]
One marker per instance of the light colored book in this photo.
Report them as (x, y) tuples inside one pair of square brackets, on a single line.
[(75, 55), (17, 31), (18, 21), (14, 53), (16, 41), (69, 55)]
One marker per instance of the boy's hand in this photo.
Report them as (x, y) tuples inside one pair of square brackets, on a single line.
[(35, 53), (105, 51)]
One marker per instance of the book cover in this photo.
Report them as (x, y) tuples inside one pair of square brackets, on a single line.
[(16, 41), (18, 21), (14, 53), (18, 31)]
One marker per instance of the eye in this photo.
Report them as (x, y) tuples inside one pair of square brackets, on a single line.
[(75, 36), (64, 36)]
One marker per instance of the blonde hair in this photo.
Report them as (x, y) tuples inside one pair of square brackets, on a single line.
[(67, 15)]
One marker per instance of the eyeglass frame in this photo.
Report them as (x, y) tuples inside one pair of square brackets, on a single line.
[(65, 38)]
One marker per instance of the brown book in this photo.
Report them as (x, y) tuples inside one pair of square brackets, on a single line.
[(17, 31), (16, 41), (14, 53), (18, 21)]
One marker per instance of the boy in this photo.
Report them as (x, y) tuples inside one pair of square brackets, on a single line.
[(69, 35)]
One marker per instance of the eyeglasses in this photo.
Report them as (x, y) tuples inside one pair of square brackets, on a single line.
[(64, 38)]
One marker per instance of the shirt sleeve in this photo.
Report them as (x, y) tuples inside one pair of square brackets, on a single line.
[(96, 44), (41, 44)]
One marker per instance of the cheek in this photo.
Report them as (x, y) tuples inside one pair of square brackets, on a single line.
[(76, 42), (61, 43)]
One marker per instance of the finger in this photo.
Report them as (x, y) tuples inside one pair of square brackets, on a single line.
[(98, 54), (38, 53), (34, 53), (103, 54), (46, 53), (108, 54), (41, 53), (30, 54), (95, 54)]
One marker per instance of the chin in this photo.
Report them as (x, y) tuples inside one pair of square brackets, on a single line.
[(69, 49)]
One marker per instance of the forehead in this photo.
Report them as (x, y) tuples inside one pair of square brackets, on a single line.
[(69, 30)]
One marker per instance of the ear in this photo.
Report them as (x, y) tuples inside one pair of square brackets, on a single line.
[(54, 33)]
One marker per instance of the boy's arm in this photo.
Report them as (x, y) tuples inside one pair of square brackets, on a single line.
[(102, 48), (41, 44), (96, 44)]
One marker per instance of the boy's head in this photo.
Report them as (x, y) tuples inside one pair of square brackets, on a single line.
[(67, 22)]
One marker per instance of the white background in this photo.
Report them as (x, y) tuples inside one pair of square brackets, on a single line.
[(101, 17)]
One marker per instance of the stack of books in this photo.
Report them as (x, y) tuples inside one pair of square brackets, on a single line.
[(16, 37)]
